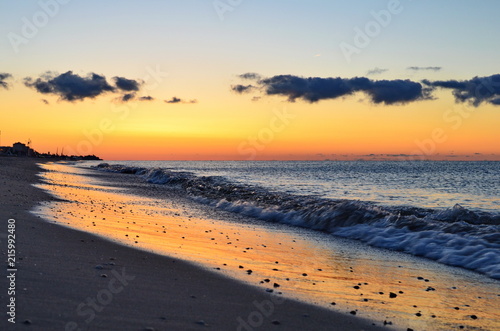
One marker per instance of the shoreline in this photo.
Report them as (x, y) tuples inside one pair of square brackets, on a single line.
[(68, 279), (357, 277)]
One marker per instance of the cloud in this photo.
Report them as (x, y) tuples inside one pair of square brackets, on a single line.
[(125, 84), (397, 91), (475, 91), (70, 87), (315, 89), (250, 76), (495, 102), (174, 100), (45, 101), (242, 88), (376, 71), (146, 98), (179, 100), (3, 78), (127, 97), (425, 68)]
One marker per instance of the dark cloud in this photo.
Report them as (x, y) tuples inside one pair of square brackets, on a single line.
[(250, 76), (3, 78), (174, 100), (314, 89), (397, 91), (127, 97), (179, 100), (376, 71), (242, 88), (425, 68), (146, 98), (475, 91), (495, 102), (69, 86), (125, 84)]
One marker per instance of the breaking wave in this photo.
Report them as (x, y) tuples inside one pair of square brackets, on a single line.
[(456, 236)]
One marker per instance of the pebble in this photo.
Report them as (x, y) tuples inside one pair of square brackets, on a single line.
[(353, 312), (201, 322)]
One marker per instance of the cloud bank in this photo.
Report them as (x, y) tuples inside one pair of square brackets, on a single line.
[(475, 91), (73, 87), (315, 89)]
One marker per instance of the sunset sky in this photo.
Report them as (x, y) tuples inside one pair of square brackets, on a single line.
[(252, 79)]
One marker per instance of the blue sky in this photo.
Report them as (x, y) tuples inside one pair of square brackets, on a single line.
[(272, 37)]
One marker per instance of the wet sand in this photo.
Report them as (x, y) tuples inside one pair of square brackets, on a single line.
[(69, 280), (396, 290)]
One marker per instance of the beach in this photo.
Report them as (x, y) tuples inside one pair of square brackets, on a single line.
[(71, 280)]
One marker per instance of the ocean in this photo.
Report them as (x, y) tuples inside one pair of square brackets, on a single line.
[(406, 244), (444, 211)]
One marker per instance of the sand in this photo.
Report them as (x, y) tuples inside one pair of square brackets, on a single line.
[(71, 280)]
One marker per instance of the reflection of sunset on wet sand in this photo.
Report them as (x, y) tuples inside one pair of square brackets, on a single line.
[(333, 273)]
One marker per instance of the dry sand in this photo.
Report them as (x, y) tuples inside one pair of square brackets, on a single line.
[(71, 280)]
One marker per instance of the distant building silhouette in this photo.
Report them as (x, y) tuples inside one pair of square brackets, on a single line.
[(18, 149)]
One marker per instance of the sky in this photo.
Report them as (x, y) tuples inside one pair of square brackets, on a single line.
[(252, 79)]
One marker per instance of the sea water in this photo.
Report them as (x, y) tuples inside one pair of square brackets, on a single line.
[(444, 211)]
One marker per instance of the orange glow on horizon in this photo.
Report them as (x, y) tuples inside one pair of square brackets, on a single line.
[(238, 129)]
